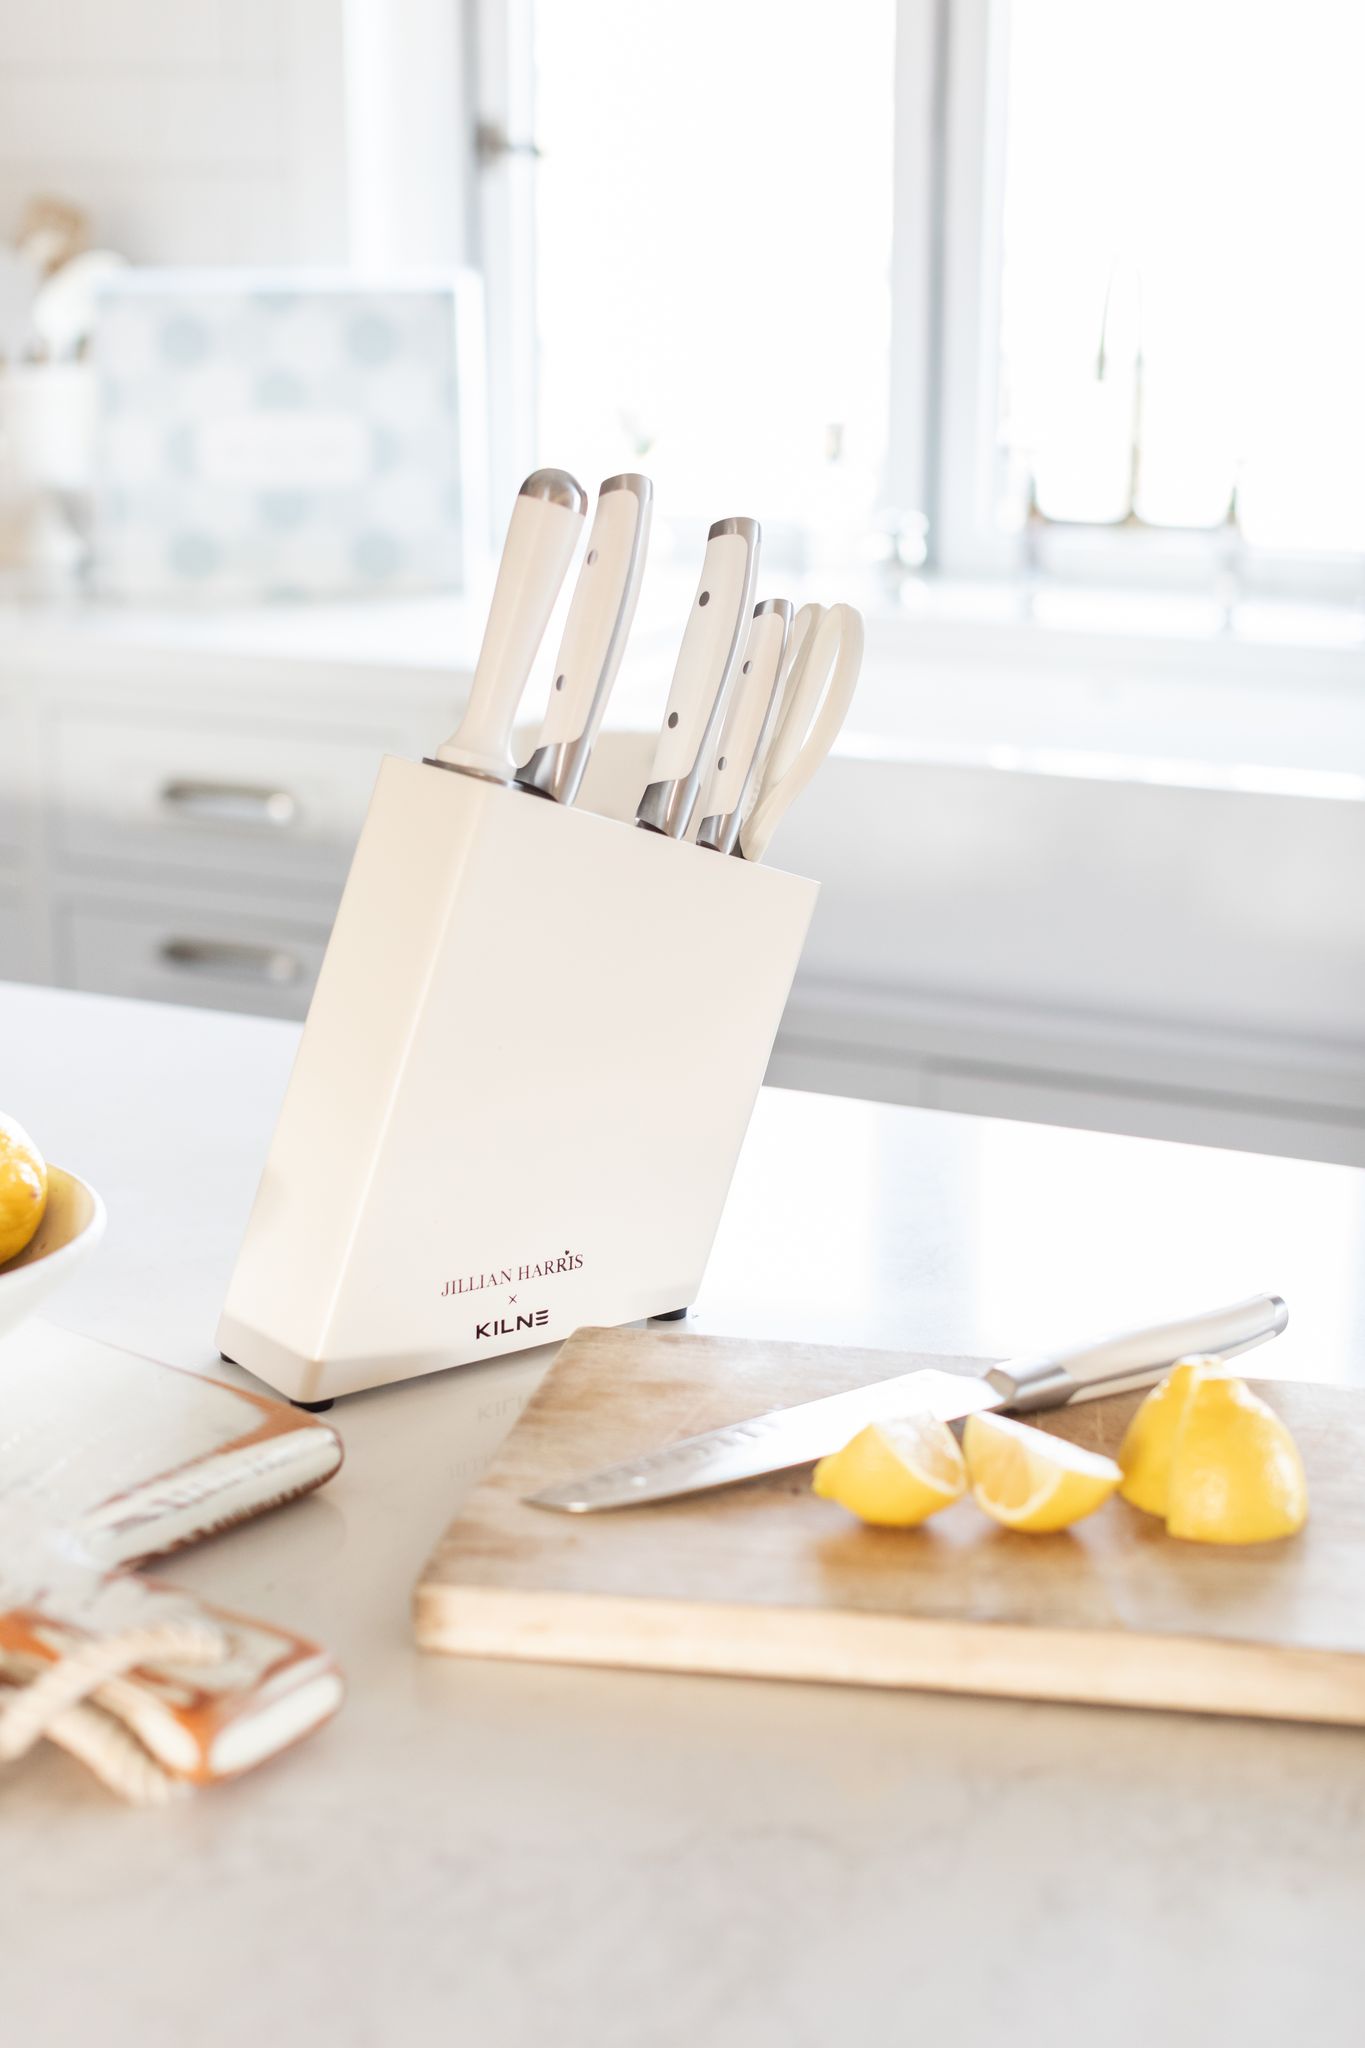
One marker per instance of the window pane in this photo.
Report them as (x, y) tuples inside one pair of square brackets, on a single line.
[(1199, 165), (714, 234)]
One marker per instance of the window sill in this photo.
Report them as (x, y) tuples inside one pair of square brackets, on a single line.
[(1142, 689), (1114, 614), (1133, 687), (1147, 689)]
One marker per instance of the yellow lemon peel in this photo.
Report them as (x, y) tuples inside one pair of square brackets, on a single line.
[(1213, 1460), (895, 1474), (1026, 1479), (23, 1188)]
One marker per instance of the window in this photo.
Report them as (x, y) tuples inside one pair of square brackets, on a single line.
[(1183, 300), (713, 242), (1071, 285)]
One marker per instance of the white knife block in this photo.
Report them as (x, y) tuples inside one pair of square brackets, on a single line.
[(526, 1074)]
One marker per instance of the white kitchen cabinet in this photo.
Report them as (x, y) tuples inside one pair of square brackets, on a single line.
[(20, 956), (16, 774), (1169, 950), (231, 800), (200, 953), (180, 797)]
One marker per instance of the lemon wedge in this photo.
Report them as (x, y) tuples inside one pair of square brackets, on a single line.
[(23, 1188), (1236, 1474), (1149, 1440), (895, 1474), (1029, 1480), (1213, 1460)]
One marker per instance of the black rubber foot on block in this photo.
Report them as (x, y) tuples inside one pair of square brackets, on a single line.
[(312, 1407), (671, 1315)]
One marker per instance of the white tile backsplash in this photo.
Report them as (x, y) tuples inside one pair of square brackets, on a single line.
[(123, 33), (34, 32), (250, 32), (176, 124), (237, 216)]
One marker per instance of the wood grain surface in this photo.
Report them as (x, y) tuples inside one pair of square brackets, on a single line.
[(764, 1579)]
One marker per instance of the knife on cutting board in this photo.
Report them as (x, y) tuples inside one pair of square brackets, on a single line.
[(542, 534), (789, 1437), (749, 722), (707, 661), (595, 635)]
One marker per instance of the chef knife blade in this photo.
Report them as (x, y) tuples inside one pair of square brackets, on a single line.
[(595, 635), (706, 665), (541, 536), (788, 1437), (754, 704)]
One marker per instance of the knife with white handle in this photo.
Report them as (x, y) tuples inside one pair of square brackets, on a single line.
[(707, 662), (789, 1437), (754, 704), (595, 635), (541, 536), (813, 711)]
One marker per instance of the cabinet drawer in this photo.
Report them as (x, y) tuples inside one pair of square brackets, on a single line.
[(12, 775), (20, 958), (211, 960), (218, 799)]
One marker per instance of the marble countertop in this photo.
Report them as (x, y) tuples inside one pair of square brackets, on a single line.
[(509, 1854)]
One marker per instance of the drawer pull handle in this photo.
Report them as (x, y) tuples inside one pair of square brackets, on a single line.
[(235, 803), (232, 959)]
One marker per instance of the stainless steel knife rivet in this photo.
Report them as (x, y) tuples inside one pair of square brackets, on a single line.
[(593, 641), (749, 721), (706, 666)]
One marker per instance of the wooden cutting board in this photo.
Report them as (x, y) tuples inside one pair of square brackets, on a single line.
[(765, 1580)]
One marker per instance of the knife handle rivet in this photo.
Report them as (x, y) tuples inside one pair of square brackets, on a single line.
[(747, 666), (672, 718), (592, 557), (721, 762), (559, 682), (705, 597)]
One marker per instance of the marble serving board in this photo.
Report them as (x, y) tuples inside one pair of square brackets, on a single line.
[(139, 1459), (765, 1580)]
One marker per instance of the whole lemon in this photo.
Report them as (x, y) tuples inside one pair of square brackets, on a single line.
[(23, 1188)]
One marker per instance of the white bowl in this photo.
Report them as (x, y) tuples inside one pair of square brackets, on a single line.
[(72, 1225)]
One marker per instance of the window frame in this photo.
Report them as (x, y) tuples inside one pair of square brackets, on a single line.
[(942, 458)]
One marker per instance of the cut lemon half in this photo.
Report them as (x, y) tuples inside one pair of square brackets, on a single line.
[(1236, 1473), (1026, 1479), (895, 1474)]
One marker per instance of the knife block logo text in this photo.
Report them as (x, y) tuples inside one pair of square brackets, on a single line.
[(510, 1276)]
